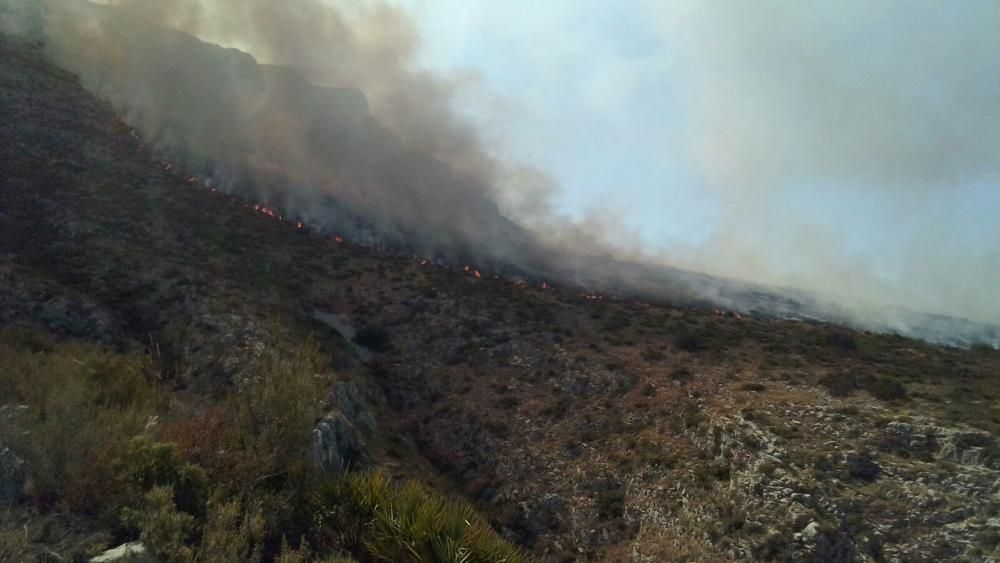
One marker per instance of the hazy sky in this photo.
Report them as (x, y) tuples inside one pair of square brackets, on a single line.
[(852, 147)]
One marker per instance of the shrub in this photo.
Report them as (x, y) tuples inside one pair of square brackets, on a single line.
[(689, 342), (374, 338), (83, 404), (882, 388), (274, 414), (232, 534), (885, 389), (653, 355), (681, 374), (842, 340), (402, 522), (147, 465), (839, 384), (162, 528), (862, 467)]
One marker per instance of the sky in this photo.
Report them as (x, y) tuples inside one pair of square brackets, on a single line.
[(852, 148)]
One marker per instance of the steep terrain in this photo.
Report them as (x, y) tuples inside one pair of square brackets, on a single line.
[(583, 427)]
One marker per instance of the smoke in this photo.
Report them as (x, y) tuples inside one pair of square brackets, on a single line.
[(320, 107), (846, 144), (320, 111)]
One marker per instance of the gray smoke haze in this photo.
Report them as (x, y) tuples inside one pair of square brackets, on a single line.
[(320, 108), (878, 117)]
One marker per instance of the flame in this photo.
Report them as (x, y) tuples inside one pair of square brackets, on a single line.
[(338, 238), (545, 285)]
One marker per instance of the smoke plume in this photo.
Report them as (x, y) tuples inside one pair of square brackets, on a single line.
[(319, 107)]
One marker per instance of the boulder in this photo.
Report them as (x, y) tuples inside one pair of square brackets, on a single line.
[(810, 531), (337, 445), (348, 399), (12, 476), (966, 448)]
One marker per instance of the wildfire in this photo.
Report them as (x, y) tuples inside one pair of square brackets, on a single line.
[(267, 211), (194, 180), (472, 271), (338, 238)]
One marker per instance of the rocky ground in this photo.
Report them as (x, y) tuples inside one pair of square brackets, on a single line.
[(585, 427)]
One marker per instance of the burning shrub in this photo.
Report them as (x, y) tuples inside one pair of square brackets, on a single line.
[(374, 338)]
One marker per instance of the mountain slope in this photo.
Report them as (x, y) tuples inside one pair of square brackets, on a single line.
[(583, 427)]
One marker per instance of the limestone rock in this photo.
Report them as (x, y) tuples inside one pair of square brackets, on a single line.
[(134, 552), (337, 445), (349, 400)]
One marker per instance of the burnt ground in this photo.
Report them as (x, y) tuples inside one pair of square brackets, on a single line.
[(585, 429)]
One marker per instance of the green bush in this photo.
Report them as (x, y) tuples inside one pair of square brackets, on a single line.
[(882, 388), (147, 464), (83, 403), (402, 522), (232, 534), (274, 414), (162, 528)]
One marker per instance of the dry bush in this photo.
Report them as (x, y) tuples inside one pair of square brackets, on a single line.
[(80, 404)]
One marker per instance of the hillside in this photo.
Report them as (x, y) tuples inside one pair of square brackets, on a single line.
[(581, 426)]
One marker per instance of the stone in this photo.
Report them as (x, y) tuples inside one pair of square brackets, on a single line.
[(134, 552), (12, 476), (810, 531), (973, 456), (337, 445), (349, 400)]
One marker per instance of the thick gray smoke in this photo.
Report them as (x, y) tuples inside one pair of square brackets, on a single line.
[(815, 121), (325, 119), (319, 108)]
